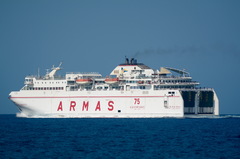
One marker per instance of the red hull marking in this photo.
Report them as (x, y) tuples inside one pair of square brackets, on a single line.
[(60, 106), (101, 97), (98, 106), (72, 105), (85, 106), (110, 105)]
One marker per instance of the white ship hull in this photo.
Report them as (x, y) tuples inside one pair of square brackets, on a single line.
[(106, 104), (134, 90)]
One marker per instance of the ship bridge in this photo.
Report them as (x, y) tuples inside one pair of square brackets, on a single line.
[(131, 69)]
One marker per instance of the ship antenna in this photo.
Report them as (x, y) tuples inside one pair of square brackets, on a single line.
[(47, 71), (60, 64), (38, 72)]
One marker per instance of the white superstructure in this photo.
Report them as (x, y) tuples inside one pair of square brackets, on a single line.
[(132, 90)]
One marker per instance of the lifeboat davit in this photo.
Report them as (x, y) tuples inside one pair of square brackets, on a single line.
[(111, 80), (84, 81)]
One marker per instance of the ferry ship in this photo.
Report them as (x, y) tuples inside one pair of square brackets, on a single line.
[(132, 90)]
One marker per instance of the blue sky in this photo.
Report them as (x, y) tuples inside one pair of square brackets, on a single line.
[(200, 36)]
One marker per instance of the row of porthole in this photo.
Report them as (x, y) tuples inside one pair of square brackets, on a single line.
[(49, 82), (176, 81), (45, 88), (137, 87), (159, 87)]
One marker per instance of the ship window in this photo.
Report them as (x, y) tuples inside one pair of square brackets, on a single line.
[(119, 111)]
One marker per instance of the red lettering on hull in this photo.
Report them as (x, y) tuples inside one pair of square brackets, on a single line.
[(98, 106), (85, 105), (72, 105), (110, 105), (60, 106)]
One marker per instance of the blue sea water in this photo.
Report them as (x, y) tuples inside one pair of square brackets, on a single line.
[(119, 138)]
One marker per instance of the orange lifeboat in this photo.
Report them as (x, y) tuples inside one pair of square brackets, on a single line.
[(140, 82), (111, 80), (83, 80)]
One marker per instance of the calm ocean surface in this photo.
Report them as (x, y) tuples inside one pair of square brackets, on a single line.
[(119, 138)]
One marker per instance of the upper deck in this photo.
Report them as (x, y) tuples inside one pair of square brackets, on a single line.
[(126, 76)]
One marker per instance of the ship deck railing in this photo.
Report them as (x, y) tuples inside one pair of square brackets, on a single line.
[(87, 73), (44, 78), (197, 88), (178, 83), (187, 89), (172, 76), (151, 77), (168, 83)]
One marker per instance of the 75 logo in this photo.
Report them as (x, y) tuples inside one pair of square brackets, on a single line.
[(136, 100)]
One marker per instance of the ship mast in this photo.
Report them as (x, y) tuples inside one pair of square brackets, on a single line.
[(53, 72)]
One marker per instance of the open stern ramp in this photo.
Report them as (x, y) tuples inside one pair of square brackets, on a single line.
[(200, 101)]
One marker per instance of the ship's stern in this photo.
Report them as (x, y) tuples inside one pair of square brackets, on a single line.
[(199, 102)]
